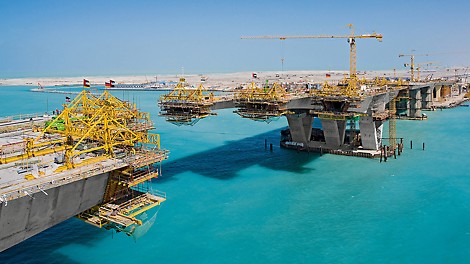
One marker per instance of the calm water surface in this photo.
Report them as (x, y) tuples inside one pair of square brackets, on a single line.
[(232, 201)]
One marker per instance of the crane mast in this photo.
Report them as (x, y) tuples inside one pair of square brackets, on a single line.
[(352, 54), (411, 64)]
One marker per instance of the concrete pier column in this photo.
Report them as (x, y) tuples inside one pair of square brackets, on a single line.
[(458, 88), (426, 97), (371, 132), (403, 107), (415, 103), (334, 132), (342, 130), (300, 126), (446, 92), (437, 93)]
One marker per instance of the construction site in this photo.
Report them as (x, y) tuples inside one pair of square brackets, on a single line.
[(93, 160), (352, 111), (96, 157)]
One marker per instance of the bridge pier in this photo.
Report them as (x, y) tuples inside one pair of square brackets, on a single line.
[(300, 126), (436, 95), (334, 132), (371, 132), (460, 89), (427, 97), (415, 103), (333, 114)]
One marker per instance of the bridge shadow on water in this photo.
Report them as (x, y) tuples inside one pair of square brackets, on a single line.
[(222, 163), (43, 247), (226, 161)]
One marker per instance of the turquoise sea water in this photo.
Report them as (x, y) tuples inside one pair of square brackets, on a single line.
[(232, 201)]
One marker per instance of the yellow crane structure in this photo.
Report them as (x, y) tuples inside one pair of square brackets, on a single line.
[(184, 105), (412, 63), (392, 125), (92, 129), (107, 121), (352, 47)]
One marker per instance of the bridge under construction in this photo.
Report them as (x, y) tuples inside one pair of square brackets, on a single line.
[(93, 160), (352, 113), (96, 158)]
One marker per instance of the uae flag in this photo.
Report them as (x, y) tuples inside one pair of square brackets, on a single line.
[(109, 84), (86, 83)]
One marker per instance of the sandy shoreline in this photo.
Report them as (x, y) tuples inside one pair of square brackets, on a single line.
[(215, 79)]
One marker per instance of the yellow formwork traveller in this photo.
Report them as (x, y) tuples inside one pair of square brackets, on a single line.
[(181, 93), (186, 106), (261, 103), (99, 128), (105, 121)]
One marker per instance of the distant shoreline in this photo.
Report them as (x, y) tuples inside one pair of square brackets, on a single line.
[(208, 80)]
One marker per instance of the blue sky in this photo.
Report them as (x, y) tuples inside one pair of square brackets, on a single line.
[(83, 38)]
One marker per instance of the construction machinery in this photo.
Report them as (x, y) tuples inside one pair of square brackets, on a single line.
[(186, 106), (90, 132), (412, 63), (352, 48)]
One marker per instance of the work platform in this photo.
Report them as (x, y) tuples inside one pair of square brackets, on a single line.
[(121, 214), (185, 105)]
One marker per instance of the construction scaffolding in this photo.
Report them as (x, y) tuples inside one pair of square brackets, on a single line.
[(186, 106), (392, 115), (129, 193), (392, 129), (261, 104)]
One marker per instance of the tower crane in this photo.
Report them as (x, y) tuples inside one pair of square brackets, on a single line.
[(412, 63), (351, 40), (455, 70), (419, 65)]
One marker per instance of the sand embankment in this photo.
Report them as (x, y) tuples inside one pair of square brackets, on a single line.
[(221, 80)]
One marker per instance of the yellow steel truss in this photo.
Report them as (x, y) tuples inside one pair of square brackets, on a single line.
[(181, 93), (105, 121), (261, 103), (184, 105), (252, 92), (108, 127)]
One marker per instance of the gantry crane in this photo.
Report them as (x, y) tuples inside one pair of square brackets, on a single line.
[(351, 40)]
